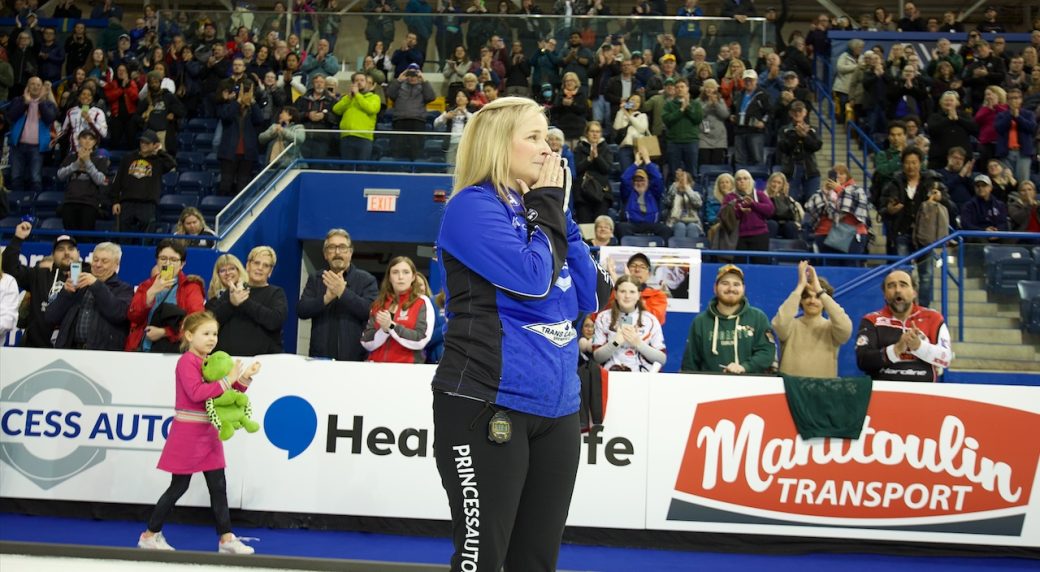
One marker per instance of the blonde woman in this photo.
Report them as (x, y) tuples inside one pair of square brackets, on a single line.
[(192, 223), (252, 315), (787, 213), (732, 81), (994, 102), (724, 185), (227, 270), (506, 314), (570, 108)]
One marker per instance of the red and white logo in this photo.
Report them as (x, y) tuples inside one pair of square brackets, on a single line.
[(921, 462)]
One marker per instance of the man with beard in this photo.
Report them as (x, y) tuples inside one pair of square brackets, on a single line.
[(732, 336), (42, 284), (903, 341), (338, 300)]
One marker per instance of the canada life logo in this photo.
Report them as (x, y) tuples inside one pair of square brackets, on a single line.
[(922, 462)]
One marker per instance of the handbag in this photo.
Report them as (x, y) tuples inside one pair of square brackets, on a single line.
[(650, 144), (840, 236)]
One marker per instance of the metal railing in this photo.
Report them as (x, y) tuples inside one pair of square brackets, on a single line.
[(867, 147), (911, 258), (824, 111)]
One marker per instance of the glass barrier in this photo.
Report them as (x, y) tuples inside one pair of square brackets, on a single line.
[(386, 151), (252, 195)]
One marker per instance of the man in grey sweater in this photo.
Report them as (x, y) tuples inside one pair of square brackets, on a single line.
[(410, 93)]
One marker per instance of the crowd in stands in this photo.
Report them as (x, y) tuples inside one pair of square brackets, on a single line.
[(71, 304)]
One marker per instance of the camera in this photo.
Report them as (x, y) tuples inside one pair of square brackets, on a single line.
[(629, 105), (411, 73)]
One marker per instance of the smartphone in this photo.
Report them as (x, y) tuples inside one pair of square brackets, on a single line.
[(627, 320), (832, 175), (84, 108), (74, 269), (166, 273)]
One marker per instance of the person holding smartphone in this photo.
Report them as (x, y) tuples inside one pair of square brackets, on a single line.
[(628, 338)]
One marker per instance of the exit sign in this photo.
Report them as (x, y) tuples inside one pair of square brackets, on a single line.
[(382, 200), (382, 203)]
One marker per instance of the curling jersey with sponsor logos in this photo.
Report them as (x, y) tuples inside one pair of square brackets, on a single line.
[(880, 331), (516, 274)]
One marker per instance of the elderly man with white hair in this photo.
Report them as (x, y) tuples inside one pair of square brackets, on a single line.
[(90, 310)]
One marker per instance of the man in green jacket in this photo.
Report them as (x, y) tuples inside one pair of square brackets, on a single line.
[(732, 336), (654, 107), (682, 117), (357, 109)]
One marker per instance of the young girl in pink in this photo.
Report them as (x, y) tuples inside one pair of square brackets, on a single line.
[(194, 445)]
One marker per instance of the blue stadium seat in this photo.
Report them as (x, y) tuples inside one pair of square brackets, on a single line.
[(195, 182), (1029, 306), (203, 143), (190, 160), (106, 225), (10, 221), (1005, 266), (202, 125), (169, 183), (757, 171), (212, 205), (643, 240), (170, 206), (786, 245), (684, 242), (211, 161), (45, 205), (52, 223), (186, 140), (20, 201)]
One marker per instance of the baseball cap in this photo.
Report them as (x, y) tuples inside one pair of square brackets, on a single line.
[(63, 238), (749, 74), (983, 179), (640, 173), (121, 36), (413, 67), (788, 74), (670, 81), (667, 57), (149, 136), (638, 257), (729, 269)]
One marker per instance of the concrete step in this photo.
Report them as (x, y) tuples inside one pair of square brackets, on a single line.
[(1003, 336), (995, 365), (987, 322), (977, 296), (994, 352), (987, 309), (969, 283)]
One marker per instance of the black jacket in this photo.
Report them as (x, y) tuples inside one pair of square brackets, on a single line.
[(111, 300), (140, 178), (592, 198), (336, 328), (798, 151), (903, 221), (253, 327), (947, 134), (37, 282)]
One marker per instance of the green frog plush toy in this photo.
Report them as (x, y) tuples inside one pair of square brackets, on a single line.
[(231, 410)]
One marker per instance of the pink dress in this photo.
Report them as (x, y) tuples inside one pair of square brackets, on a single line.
[(193, 446)]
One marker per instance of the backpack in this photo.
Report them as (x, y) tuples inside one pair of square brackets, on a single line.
[(932, 223)]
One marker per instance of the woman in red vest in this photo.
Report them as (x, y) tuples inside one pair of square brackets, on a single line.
[(401, 321)]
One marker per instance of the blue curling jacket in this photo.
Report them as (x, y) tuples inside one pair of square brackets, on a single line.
[(516, 275)]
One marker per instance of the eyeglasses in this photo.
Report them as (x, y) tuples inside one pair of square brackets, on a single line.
[(337, 248), (227, 270), (169, 259), (638, 266)]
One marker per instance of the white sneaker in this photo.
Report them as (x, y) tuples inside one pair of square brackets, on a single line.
[(235, 546), (154, 542)]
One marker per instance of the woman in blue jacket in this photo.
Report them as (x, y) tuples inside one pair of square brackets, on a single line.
[(241, 120), (505, 406)]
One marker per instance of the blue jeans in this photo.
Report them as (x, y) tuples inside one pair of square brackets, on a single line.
[(782, 229), (750, 148), (925, 269), (682, 156), (686, 230), (1020, 164), (355, 149), (26, 162), (601, 113), (626, 156), (803, 187)]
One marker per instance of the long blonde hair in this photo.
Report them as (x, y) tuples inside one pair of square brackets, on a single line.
[(215, 285), (485, 150)]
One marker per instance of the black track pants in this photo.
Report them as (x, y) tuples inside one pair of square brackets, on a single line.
[(217, 485), (508, 501)]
